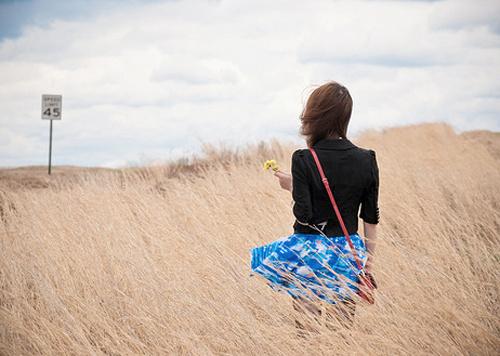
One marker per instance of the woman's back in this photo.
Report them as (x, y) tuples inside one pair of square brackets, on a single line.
[(318, 258), (353, 176)]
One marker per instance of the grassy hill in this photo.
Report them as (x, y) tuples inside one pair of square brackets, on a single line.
[(155, 260)]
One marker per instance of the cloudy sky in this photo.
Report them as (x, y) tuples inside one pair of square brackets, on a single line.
[(154, 80)]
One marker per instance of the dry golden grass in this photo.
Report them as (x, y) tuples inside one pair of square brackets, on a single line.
[(155, 260)]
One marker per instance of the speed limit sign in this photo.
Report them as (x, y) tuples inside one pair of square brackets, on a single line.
[(51, 110), (51, 107)]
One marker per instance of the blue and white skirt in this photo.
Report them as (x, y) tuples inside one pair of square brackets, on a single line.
[(311, 266)]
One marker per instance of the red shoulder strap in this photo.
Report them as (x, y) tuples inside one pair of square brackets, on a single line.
[(335, 208)]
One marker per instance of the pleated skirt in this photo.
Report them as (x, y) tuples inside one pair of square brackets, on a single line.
[(311, 266)]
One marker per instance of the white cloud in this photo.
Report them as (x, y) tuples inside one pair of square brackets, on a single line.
[(459, 14), (157, 79)]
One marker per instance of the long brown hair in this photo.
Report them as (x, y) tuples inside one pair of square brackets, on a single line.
[(327, 113)]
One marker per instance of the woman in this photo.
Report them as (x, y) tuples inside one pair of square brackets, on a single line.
[(352, 173)]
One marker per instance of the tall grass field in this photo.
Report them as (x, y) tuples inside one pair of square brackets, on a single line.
[(155, 260)]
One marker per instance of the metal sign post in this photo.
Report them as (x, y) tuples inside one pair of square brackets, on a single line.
[(51, 110)]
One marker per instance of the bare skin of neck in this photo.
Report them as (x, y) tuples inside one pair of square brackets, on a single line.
[(334, 136)]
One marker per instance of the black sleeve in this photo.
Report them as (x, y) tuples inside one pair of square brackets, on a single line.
[(369, 201), (302, 207)]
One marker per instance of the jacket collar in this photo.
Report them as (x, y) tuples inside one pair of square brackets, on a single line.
[(334, 144)]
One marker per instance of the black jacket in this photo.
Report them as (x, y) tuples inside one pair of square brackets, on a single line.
[(354, 179)]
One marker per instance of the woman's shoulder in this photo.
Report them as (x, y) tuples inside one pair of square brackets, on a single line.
[(369, 158), (299, 153), (299, 158), (367, 152), (372, 153)]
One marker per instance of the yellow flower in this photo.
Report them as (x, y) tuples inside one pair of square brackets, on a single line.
[(271, 164)]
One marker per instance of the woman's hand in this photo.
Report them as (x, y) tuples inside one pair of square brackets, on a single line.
[(372, 280), (368, 266), (285, 180)]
